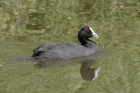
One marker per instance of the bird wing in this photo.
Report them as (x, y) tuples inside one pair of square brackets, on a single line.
[(43, 48)]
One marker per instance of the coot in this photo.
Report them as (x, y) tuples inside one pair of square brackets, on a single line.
[(66, 51)]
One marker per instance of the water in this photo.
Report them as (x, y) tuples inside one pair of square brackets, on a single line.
[(116, 22)]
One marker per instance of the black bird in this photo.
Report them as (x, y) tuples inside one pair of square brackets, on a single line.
[(66, 51)]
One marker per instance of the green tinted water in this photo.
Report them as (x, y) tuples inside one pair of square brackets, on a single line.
[(32, 23)]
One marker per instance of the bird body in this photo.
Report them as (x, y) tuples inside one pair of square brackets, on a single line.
[(66, 51)]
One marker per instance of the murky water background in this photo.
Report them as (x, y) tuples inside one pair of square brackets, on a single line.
[(25, 24)]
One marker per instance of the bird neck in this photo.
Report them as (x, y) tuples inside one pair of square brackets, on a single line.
[(85, 41), (82, 40)]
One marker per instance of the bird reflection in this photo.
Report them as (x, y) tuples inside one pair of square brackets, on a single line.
[(87, 72)]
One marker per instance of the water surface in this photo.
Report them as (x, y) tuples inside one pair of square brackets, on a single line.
[(32, 23)]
